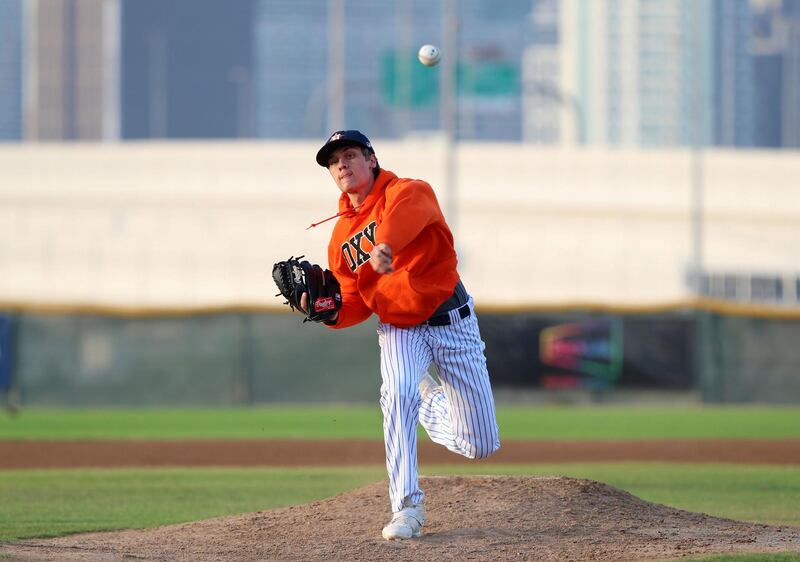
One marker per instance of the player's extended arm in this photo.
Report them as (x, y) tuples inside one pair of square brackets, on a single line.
[(410, 207)]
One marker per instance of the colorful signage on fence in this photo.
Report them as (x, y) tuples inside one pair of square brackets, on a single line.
[(587, 354)]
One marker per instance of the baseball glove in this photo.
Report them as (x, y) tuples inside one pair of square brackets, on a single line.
[(294, 277)]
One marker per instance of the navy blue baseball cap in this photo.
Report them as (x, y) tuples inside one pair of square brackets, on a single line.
[(338, 140)]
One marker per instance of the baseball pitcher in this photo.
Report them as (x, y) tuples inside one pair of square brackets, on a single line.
[(392, 254)]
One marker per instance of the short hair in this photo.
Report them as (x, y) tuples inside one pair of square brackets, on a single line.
[(367, 153)]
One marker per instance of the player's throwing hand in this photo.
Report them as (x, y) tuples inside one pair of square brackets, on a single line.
[(381, 258)]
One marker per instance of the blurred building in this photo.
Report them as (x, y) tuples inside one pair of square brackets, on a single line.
[(10, 70), (757, 73), (71, 69), (292, 68), (186, 69), (110, 69), (670, 73), (542, 98), (304, 49), (775, 48), (651, 73), (735, 88), (640, 72)]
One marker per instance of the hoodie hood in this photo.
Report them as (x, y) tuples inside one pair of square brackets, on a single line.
[(383, 179)]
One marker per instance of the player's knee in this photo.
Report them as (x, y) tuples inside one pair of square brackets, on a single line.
[(476, 449), (484, 450)]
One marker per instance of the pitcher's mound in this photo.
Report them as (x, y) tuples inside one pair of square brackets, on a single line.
[(469, 518)]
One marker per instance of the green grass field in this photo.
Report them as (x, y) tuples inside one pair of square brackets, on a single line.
[(36, 503), (775, 557), (365, 423), (55, 502)]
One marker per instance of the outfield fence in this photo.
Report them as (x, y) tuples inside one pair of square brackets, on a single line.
[(713, 351)]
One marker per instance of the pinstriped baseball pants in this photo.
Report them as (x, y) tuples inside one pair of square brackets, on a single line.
[(460, 416)]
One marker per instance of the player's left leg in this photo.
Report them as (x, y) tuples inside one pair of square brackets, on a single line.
[(404, 357), (461, 414)]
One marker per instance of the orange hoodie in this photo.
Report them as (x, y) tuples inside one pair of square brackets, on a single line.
[(404, 214)]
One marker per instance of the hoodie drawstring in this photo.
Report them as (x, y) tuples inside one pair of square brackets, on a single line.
[(348, 212)]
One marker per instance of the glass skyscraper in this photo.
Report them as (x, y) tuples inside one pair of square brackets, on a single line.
[(734, 77), (680, 72), (11, 70), (640, 71)]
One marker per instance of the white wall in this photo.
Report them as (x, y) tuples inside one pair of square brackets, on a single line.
[(195, 224)]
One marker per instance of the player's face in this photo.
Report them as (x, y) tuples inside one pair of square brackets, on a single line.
[(352, 171)]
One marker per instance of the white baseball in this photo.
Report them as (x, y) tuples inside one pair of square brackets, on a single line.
[(429, 55)]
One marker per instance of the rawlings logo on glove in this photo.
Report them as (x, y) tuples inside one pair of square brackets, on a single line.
[(325, 303), (294, 278)]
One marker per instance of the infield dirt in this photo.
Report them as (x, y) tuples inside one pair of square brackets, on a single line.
[(469, 518), (341, 452)]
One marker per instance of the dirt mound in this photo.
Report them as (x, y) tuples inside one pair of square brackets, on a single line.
[(469, 518)]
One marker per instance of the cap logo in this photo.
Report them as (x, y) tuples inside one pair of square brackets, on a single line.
[(334, 137)]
